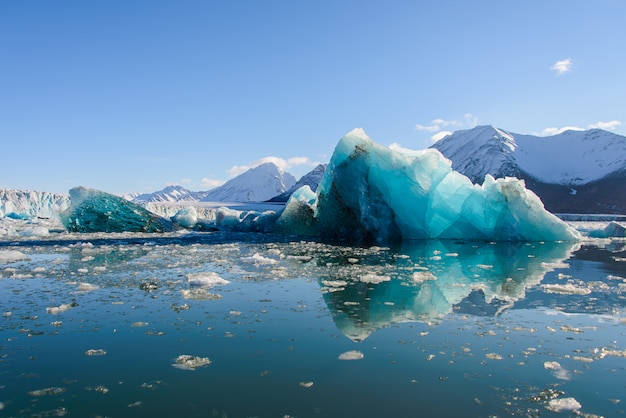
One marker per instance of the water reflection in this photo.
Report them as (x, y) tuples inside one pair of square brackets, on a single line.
[(431, 278)]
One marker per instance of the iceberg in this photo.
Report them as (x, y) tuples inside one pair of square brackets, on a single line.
[(371, 193), (96, 211)]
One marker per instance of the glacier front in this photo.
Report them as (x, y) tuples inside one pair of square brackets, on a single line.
[(371, 193)]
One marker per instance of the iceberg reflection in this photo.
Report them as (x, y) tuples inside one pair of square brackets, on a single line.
[(437, 277)]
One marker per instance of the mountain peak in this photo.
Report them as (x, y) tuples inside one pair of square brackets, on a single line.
[(258, 184)]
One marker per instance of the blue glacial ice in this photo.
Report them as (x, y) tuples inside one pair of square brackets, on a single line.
[(96, 211), (371, 193)]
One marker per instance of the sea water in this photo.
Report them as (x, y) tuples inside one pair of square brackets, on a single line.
[(259, 325)]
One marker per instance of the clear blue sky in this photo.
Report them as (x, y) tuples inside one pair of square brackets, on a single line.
[(130, 96)]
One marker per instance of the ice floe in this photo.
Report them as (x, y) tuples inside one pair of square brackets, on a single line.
[(351, 355), (189, 362)]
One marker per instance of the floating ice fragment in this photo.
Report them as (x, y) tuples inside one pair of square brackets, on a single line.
[(551, 365), (351, 355), (11, 256), (306, 384), (374, 278), (334, 283), (206, 279), (138, 324), (186, 217), (58, 309), (47, 391), (189, 362), (37, 231), (563, 405), (422, 276), (258, 259), (493, 356), (199, 294), (568, 288), (95, 352), (87, 287)]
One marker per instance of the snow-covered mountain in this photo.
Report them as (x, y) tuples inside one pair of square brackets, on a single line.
[(575, 171), (169, 194), (311, 179), (255, 185), (31, 203)]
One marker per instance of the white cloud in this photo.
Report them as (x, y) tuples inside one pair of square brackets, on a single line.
[(210, 183), (280, 163), (563, 66), (440, 135), (611, 125), (428, 128), (437, 125)]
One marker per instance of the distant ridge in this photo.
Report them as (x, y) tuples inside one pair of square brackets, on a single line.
[(311, 179), (572, 172), (169, 194)]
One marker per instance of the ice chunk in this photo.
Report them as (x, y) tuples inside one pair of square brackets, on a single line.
[(351, 355), (11, 256), (371, 193), (189, 362), (95, 211), (206, 279), (613, 229), (186, 217), (563, 404), (54, 310), (247, 220)]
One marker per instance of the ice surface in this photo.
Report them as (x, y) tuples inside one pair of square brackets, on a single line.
[(371, 193), (96, 211)]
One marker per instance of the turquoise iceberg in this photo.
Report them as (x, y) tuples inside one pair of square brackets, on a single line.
[(371, 193)]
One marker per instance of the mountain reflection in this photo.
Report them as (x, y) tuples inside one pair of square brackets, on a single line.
[(431, 278)]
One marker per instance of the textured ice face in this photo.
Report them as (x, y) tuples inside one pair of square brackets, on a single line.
[(371, 193), (95, 211)]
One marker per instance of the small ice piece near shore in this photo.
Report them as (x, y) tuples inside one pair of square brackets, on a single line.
[(351, 355), (189, 362), (563, 405), (206, 279), (11, 256)]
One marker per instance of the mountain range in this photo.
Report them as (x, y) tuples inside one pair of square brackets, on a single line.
[(572, 172), (257, 184)]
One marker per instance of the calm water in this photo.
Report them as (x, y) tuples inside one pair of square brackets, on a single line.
[(95, 325)]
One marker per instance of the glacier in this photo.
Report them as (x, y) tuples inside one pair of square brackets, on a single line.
[(25, 204), (371, 193), (96, 211)]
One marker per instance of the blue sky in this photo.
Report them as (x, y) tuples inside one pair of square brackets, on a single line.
[(130, 96)]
